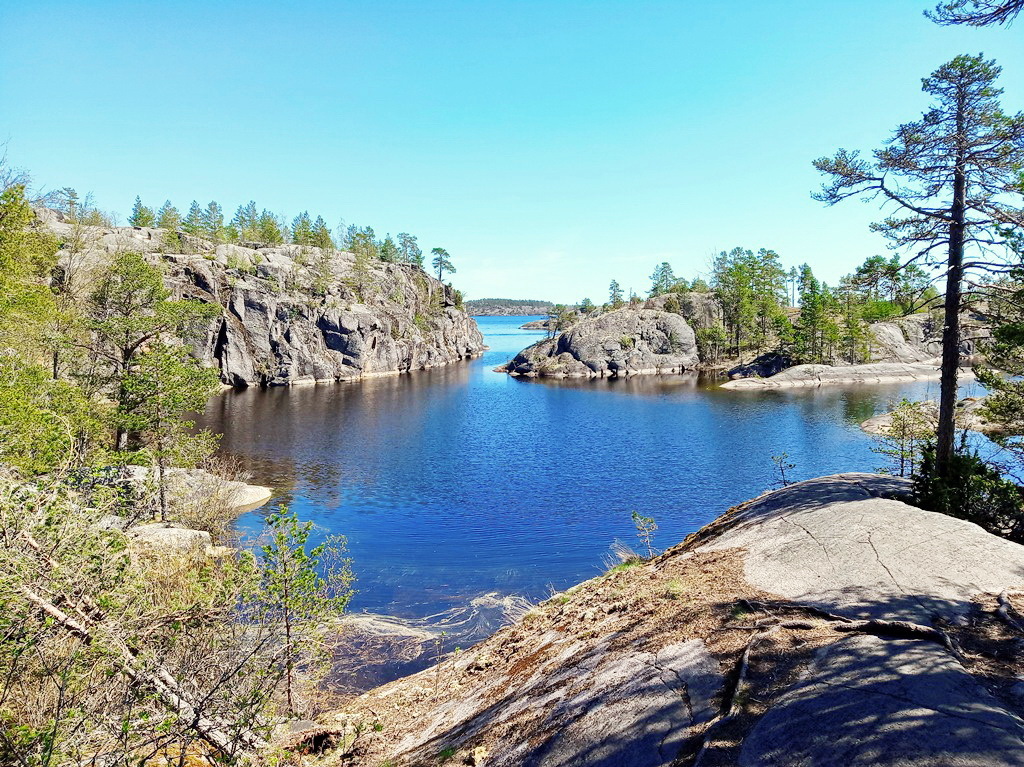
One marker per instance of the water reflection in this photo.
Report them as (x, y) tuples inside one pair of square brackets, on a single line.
[(460, 481)]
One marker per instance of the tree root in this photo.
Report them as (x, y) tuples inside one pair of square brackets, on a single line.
[(1008, 612)]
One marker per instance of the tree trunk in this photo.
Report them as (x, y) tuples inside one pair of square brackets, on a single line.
[(946, 433)]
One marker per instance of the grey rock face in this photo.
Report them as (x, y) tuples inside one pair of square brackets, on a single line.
[(766, 365), (628, 341), (293, 314), (823, 375), (610, 674), (918, 338), (868, 701)]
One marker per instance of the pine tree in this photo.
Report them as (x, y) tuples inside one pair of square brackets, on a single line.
[(269, 229), (246, 222), (321, 235), (615, 294), (304, 591), (213, 222), (168, 217), (302, 229), (410, 249), (441, 262), (141, 215), (388, 250), (193, 223), (662, 279), (951, 175)]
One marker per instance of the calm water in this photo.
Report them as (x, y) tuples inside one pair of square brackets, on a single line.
[(457, 482)]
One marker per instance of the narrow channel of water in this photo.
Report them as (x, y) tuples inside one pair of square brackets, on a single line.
[(459, 482)]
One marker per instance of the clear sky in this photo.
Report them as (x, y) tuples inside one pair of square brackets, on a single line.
[(549, 146)]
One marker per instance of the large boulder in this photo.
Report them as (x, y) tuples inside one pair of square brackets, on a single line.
[(291, 314), (827, 623), (624, 342)]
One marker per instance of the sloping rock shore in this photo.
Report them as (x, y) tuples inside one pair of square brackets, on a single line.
[(624, 342), (827, 623), (969, 415), (291, 314), (823, 375)]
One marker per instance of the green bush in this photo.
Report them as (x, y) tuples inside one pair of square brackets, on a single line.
[(974, 491)]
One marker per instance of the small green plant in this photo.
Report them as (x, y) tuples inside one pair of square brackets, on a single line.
[(445, 755), (673, 590), (645, 528), (438, 653), (627, 342), (782, 466)]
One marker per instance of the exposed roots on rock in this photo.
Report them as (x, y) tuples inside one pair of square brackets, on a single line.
[(1008, 612)]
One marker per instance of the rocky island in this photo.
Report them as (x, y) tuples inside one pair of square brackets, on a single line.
[(291, 314)]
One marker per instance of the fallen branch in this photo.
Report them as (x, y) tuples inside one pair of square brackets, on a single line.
[(160, 680), (1008, 612)]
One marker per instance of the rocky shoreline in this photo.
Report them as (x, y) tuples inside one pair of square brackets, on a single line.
[(780, 634), (291, 314), (808, 376)]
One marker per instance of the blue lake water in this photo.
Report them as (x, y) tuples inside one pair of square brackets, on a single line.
[(460, 481)]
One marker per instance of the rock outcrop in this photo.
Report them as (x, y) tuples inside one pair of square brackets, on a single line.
[(293, 314), (624, 342), (827, 623), (918, 338), (824, 375), (969, 415)]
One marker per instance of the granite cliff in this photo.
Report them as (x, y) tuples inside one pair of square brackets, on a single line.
[(292, 314)]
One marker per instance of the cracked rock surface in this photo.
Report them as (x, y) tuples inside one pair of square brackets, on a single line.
[(290, 314), (750, 643)]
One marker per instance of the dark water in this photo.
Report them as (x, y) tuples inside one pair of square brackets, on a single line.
[(460, 481)]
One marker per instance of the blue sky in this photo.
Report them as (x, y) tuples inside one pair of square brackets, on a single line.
[(549, 146)]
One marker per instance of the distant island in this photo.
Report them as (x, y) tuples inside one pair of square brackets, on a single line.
[(506, 307)]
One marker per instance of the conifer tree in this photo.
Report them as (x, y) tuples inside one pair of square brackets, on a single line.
[(193, 223), (441, 262), (321, 235), (141, 215), (302, 229), (388, 250), (168, 217), (410, 249), (953, 177)]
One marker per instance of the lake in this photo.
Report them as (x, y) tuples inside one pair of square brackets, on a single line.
[(459, 482)]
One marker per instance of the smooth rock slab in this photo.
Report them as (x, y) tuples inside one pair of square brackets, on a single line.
[(867, 701), (840, 544)]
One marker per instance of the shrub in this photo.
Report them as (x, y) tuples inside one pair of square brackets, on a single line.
[(974, 491)]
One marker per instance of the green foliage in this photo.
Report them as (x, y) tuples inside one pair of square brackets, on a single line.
[(662, 279), (972, 490), (129, 309), (141, 215), (441, 261), (711, 342), (302, 229), (389, 251), (26, 260), (296, 596), (409, 249), (750, 287), (905, 438), (587, 306), (168, 217), (784, 468), (645, 529), (615, 294), (165, 383), (46, 425)]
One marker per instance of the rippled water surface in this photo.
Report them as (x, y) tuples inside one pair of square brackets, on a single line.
[(458, 482)]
